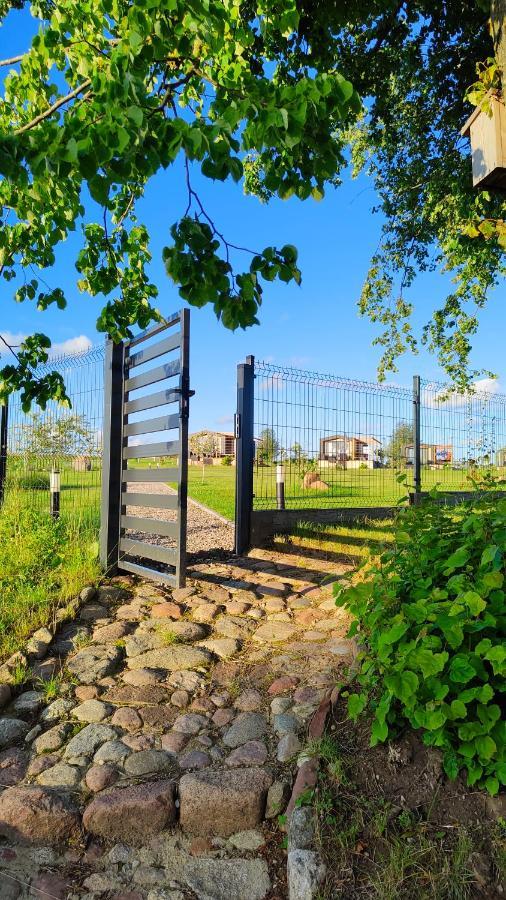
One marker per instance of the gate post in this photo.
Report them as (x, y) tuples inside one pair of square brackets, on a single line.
[(184, 405), (417, 462), (112, 462), (4, 419), (244, 453)]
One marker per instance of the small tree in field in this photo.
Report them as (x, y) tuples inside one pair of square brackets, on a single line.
[(268, 446), (202, 445), (66, 436), (395, 451)]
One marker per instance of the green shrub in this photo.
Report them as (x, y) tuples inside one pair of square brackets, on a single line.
[(431, 615), (227, 460), (33, 481)]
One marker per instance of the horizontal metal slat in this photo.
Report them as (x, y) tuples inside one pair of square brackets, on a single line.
[(150, 501), (163, 448), (160, 398), (168, 370), (146, 572), (148, 551), (147, 426), (155, 329), (155, 350), (169, 475), (151, 526)]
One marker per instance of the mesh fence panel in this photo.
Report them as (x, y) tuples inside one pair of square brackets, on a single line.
[(343, 443), (65, 440)]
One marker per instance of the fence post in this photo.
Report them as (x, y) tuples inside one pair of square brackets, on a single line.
[(244, 453), (4, 419), (112, 463), (417, 462)]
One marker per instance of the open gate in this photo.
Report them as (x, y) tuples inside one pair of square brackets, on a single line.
[(147, 392)]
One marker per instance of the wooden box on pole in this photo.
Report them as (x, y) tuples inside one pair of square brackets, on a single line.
[(487, 133)]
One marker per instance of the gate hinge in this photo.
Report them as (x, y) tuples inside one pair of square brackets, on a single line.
[(237, 425)]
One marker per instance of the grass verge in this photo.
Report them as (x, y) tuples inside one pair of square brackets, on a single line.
[(43, 565)]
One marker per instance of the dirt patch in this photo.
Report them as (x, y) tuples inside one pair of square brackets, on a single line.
[(392, 826)]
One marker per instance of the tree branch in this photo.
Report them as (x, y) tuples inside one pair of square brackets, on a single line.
[(61, 102), (13, 60)]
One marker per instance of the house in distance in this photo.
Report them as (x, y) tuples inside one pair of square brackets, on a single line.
[(350, 451)]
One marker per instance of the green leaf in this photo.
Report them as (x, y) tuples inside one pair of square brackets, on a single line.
[(461, 669), (474, 602), (402, 684), (458, 709), (135, 114), (379, 732), (492, 785), (356, 705), (485, 746)]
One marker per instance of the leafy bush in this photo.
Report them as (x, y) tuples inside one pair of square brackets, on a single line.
[(227, 460), (431, 615), (33, 481)]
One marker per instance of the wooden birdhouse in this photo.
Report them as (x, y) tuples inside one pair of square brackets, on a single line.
[(488, 145)]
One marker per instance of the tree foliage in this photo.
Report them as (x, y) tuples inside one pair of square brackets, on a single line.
[(413, 64), (396, 449), (268, 446), (67, 435), (111, 92)]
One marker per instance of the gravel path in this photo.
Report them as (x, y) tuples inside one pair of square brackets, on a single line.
[(207, 531)]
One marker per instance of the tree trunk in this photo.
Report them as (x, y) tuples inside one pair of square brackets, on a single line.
[(498, 22)]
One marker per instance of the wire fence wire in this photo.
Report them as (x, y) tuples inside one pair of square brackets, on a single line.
[(59, 439), (337, 442)]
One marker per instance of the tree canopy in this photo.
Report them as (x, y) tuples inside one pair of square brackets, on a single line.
[(109, 93), (261, 91), (414, 65)]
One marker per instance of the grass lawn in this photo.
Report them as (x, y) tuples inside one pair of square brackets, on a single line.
[(351, 487), (215, 490), (214, 486)]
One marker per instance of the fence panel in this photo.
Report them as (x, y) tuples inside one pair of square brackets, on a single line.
[(463, 437), (68, 441), (323, 442), (340, 442)]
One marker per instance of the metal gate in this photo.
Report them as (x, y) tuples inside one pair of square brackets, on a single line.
[(135, 389)]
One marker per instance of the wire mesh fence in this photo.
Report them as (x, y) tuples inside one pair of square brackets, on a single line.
[(59, 439), (336, 442), (463, 437)]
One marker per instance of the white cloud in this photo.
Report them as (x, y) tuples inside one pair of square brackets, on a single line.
[(490, 386), (73, 345), (224, 420), (12, 338), (78, 344), (273, 382)]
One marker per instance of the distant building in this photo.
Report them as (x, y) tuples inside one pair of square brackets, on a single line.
[(223, 442), (351, 451), (431, 454)]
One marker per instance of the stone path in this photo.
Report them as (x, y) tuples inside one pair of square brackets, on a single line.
[(160, 768)]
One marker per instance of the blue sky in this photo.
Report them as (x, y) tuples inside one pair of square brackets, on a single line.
[(314, 326)]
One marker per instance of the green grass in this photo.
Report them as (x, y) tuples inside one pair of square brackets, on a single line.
[(214, 486), (215, 490), (43, 565), (352, 487)]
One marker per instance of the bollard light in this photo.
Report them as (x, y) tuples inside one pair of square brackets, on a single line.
[(54, 493), (280, 487)]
